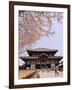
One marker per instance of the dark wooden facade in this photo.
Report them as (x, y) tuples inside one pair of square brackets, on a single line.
[(41, 58)]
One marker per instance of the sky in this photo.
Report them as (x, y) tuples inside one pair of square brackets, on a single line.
[(53, 42)]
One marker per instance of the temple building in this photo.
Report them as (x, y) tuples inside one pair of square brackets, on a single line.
[(40, 58)]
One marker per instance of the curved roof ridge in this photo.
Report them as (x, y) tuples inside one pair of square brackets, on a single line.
[(41, 49), (43, 54)]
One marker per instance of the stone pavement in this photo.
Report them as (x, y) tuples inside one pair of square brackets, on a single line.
[(46, 74)]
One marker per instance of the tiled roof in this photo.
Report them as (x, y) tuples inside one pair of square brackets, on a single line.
[(29, 57), (41, 49), (50, 57)]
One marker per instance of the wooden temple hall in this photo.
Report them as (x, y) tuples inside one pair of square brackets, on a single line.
[(40, 58)]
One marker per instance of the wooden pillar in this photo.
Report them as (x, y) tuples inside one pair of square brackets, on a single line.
[(30, 64), (40, 63), (35, 64), (52, 65), (26, 64), (45, 63)]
